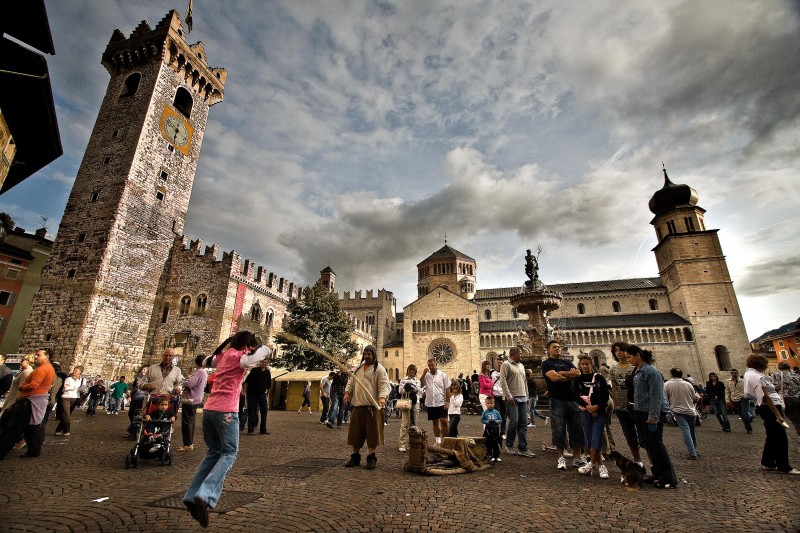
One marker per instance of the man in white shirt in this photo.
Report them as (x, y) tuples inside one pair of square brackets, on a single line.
[(437, 398)]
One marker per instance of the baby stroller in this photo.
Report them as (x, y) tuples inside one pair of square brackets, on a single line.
[(154, 437)]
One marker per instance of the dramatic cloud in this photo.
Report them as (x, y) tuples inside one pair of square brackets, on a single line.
[(358, 133)]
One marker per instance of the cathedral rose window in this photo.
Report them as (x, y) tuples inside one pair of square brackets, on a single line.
[(442, 351)]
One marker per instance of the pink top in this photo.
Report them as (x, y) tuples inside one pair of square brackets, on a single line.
[(486, 385), (227, 388)]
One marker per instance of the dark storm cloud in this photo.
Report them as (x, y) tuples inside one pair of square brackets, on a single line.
[(771, 277)]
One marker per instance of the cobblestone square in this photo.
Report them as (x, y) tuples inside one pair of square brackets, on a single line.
[(293, 480)]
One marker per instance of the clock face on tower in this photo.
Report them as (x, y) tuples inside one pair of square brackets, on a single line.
[(176, 130)]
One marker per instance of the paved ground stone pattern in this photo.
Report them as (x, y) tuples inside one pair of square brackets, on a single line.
[(294, 480)]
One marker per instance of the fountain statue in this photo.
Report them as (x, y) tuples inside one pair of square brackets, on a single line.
[(537, 301)]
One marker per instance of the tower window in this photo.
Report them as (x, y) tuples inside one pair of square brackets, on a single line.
[(81, 237), (70, 273), (487, 314), (581, 309), (671, 227), (131, 84), (170, 147), (183, 102), (161, 192), (95, 195), (115, 134), (6, 298), (164, 175), (653, 304), (164, 314), (106, 160), (617, 308), (201, 304), (689, 224), (186, 301)]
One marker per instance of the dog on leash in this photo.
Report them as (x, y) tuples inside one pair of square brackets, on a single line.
[(632, 474)]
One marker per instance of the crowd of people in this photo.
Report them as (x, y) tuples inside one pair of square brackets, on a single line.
[(582, 401)]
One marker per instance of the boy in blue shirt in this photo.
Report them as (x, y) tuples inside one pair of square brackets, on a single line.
[(491, 420)]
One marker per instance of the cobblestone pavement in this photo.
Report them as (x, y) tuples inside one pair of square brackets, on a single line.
[(293, 480)]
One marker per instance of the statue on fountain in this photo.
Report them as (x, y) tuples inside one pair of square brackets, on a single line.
[(532, 268)]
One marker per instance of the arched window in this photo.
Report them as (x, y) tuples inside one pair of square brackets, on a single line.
[(723, 358), (397, 353), (581, 309), (201, 304), (255, 312), (270, 318), (514, 312), (183, 102), (131, 84), (687, 334), (186, 302), (653, 304), (617, 308), (487, 314)]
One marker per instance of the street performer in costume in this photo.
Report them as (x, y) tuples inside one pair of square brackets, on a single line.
[(367, 389)]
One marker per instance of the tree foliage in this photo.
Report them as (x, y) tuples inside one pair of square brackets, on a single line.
[(6, 222), (317, 319)]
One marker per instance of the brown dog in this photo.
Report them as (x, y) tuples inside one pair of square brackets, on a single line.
[(632, 473)]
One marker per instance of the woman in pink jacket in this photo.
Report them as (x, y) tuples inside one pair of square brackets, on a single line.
[(221, 420)]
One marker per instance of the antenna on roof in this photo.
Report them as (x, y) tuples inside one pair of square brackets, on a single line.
[(445, 238)]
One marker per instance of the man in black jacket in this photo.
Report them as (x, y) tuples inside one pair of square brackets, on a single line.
[(258, 383)]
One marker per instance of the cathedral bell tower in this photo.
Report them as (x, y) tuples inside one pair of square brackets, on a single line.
[(129, 200), (695, 273)]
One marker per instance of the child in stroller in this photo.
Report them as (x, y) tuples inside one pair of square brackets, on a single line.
[(156, 431)]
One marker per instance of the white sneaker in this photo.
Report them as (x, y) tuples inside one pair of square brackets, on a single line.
[(567, 453), (492, 460), (499, 460), (531, 425), (586, 469), (403, 449), (504, 436), (562, 464), (546, 420), (603, 472)]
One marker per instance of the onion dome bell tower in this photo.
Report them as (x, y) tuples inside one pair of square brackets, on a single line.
[(692, 267)]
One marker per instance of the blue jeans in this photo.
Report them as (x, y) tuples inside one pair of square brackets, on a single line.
[(221, 434), (686, 423), (593, 429), (517, 425), (336, 411), (721, 410), (533, 412), (564, 415), (747, 412)]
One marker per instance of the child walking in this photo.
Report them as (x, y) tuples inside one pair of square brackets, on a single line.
[(454, 408), (491, 419)]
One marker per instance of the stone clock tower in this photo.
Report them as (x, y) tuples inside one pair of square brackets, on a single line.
[(695, 273), (129, 201)]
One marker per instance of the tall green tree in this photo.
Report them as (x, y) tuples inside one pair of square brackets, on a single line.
[(317, 319), (6, 222)]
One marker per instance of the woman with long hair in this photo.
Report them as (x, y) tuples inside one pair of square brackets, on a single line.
[(221, 420), (485, 383), (591, 393), (650, 408), (715, 395)]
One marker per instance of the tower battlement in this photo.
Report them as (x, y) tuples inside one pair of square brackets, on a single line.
[(166, 42), (244, 269)]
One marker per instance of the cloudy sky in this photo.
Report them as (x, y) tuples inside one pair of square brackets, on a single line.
[(356, 134)]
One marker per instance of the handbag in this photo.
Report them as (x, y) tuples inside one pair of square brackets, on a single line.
[(403, 404)]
